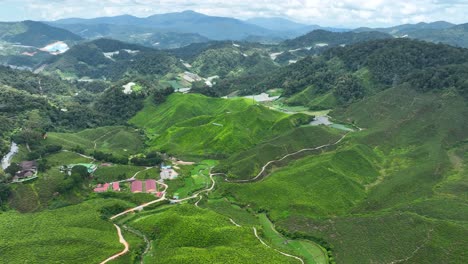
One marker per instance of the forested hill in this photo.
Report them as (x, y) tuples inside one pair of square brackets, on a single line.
[(437, 32), (346, 74), (393, 61), (111, 59), (35, 34), (333, 38)]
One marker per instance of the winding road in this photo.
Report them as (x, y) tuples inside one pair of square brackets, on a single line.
[(141, 206), (137, 208), (213, 183), (197, 194), (281, 252), (259, 175), (123, 242)]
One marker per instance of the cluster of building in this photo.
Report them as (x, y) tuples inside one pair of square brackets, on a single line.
[(105, 187), (167, 173), (89, 166), (150, 186)]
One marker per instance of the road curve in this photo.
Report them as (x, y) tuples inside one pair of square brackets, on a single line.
[(284, 157), (213, 183), (281, 252), (123, 242)]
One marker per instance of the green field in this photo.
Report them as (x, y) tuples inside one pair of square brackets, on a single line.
[(45, 191), (309, 251), (74, 234), (117, 140), (194, 125), (186, 234), (224, 207), (317, 185), (247, 164), (117, 172)]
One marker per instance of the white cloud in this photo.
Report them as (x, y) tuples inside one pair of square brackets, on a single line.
[(348, 13)]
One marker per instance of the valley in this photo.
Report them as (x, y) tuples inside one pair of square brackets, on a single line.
[(185, 143)]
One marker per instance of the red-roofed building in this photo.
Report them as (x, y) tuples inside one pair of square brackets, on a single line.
[(150, 186), (137, 186), (101, 188), (116, 186)]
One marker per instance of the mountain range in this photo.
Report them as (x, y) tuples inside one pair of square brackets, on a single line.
[(438, 32), (189, 22)]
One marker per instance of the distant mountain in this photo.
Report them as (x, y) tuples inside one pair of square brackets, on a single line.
[(276, 23), (401, 30), (216, 28), (284, 25), (437, 32), (143, 35), (111, 60), (323, 38), (35, 34), (455, 36)]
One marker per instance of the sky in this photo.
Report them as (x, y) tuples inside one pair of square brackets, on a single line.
[(338, 13)]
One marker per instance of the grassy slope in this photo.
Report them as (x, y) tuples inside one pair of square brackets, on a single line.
[(311, 252), (310, 98), (42, 192), (422, 188), (395, 190), (247, 164), (74, 234), (317, 185), (186, 234), (180, 107), (118, 172), (117, 140), (200, 126)]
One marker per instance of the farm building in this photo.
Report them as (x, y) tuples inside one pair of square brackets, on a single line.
[(28, 169), (150, 186), (91, 167), (167, 173), (137, 187), (116, 187), (101, 188)]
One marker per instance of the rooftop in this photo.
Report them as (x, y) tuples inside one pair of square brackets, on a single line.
[(137, 186), (101, 188)]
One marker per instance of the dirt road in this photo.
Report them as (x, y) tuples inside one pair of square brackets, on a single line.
[(259, 175), (123, 242)]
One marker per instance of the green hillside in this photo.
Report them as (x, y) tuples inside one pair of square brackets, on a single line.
[(61, 235), (393, 189), (111, 59), (318, 185), (333, 38), (117, 140), (212, 127), (247, 164), (232, 61), (35, 34), (186, 234), (178, 107)]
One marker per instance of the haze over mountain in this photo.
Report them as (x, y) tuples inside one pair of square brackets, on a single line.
[(439, 31), (215, 28), (211, 27), (35, 34), (288, 26)]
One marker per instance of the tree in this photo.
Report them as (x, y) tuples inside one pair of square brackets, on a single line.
[(5, 192), (79, 174), (159, 96), (13, 169), (348, 89), (42, 165)]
